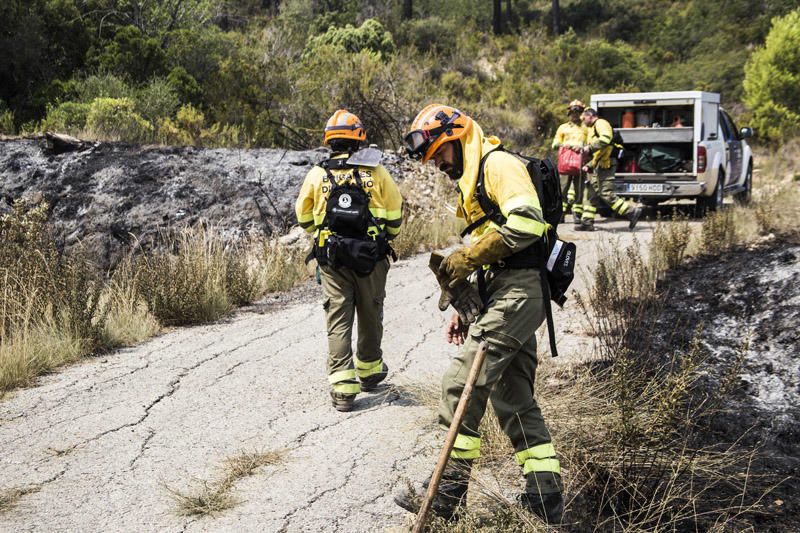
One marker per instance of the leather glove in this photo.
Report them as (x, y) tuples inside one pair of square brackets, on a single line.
[(464, 297), (490, 248)]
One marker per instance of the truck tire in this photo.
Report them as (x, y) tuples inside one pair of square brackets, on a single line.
[(743, 198), (710, 204)]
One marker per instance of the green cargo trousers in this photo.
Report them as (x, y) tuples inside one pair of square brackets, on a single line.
[(569, 188), (601, 188), (345, 295), (514, 312)]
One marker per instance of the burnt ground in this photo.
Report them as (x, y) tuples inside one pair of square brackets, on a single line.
[(746, 306)]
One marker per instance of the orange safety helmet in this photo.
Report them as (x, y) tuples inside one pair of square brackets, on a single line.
[(576, 104), (434, 126), (344, 125)]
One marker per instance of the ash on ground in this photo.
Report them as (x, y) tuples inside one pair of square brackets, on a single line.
[(745, 304)]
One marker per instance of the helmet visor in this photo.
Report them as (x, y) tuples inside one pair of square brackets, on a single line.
[(417, 142)]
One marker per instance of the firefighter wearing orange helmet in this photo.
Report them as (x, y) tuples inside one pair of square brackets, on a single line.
[(353, 208), (504, 254)]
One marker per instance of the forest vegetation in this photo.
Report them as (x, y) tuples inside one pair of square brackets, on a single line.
[(268, 73)]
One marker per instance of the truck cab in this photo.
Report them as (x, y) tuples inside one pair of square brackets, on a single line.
[(678, 145)]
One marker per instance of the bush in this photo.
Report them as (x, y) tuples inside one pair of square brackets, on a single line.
[(69, 117), (131, 53), (429, 35), (114, 119), (772, 76), (99, 86), (49, 312), (158, 99), (369, 36)]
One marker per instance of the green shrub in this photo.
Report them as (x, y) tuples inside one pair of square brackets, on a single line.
[(131, 53), (99, 86), (772, 77), (158, 99), (369, 36), (69, 117), (7, 122), (431, 34), (116, 119)]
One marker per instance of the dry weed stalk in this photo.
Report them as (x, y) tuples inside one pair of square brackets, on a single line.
[(212, 497)]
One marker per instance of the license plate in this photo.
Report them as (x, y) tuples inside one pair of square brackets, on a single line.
[(645, 187)]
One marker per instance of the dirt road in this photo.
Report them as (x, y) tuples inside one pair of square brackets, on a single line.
[(100, 441)]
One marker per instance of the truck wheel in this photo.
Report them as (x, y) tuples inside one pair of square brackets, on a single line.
[(743, 198), (710, 204)]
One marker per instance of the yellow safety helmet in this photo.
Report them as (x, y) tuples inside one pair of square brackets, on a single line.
[(434, 126), (344, 125), (576, 105)]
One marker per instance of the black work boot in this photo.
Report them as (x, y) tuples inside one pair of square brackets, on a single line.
[(544, 497), (586, 224), (342, 401), (633, 217), (450, 496), (371, 383)]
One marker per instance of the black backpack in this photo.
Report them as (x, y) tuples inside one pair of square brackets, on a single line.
[(617, 147), (348, 241), (554, 258)]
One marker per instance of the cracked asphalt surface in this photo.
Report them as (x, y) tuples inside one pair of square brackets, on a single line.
[(100, 441)]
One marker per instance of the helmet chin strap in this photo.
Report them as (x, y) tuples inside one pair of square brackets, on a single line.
[(458, 164)]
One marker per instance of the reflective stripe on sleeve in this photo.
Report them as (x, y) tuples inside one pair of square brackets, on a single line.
[(525, 225), (522, 200), (378, 212)]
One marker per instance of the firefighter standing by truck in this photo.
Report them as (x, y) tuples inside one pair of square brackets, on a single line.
[(572, 136), (602, 168), (508, 256), (353, 208)]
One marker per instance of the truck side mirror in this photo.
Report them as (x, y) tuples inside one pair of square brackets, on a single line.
[(745, 133)]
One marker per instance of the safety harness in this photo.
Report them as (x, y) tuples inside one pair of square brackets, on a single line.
[(349, 235), (554, 258)]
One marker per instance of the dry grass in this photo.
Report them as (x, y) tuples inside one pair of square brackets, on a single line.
[(55, 309), (9, 498), (213, 497)]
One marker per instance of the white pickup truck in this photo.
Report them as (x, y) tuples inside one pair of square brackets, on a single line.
[(678, 145)]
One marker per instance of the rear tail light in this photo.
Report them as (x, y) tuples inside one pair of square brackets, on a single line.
[(701, 159)]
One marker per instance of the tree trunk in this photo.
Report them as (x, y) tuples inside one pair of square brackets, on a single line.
[(509, 16), (497, 17), (556, 29), (408, 9)]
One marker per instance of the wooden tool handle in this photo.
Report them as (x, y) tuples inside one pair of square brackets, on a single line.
[(450, 440)]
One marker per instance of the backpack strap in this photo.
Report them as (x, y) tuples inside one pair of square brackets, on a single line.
[(490, 210)]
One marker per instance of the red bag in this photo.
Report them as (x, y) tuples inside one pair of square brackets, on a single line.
[(569, 162)]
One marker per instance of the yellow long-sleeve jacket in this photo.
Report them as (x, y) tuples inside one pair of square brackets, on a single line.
[(385, 202), (507, 184), (570, 134), (600, 135)]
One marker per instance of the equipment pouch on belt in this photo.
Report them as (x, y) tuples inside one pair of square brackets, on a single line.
[(560, 270), (356, 254)]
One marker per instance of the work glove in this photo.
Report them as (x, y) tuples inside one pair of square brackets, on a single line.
[(464, 297), (489, 249)]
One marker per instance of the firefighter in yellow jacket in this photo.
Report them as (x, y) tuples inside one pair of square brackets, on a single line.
[(353, 207), (571, 135), (602, 169), (507, 253)]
